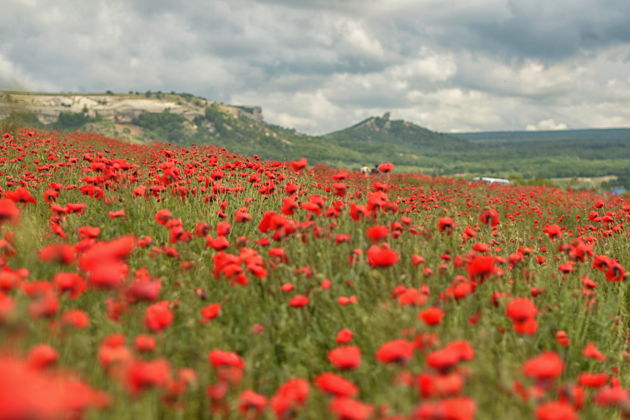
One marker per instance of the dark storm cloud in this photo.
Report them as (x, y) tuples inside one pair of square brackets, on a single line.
[(553, 30), (319, 65)]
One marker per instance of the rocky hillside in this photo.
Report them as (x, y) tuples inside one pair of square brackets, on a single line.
[(117, 114), (175, 118)]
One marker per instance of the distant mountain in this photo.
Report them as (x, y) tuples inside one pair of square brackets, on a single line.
[(606, 135), (590, 144), (384, 131), (397, 140)]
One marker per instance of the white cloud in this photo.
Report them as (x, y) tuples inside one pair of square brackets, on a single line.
[(427, 65), (355, 34), (323, 65), (14, 78), (549, 124)]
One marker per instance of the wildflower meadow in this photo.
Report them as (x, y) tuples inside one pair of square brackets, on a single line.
[(162, 282)]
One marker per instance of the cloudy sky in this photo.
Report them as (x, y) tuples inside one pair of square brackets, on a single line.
[(321, 65)]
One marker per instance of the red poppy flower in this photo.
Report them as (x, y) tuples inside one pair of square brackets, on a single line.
[(521, 309), (412, 297), (71, 283), (481, 267), (251, 402), (89, 232), (615, 271), (299, 164), (395, 351), (210, 312), (611, 395), (117, 214), (381, 256), (344, 336), (440, 385), (336, 385), (108, 274), (223, 228), (46, 306), (593, 380), (146, 374), (347, 357), (42, 356), (218, 244), (546, 366), (445, 359), (377, 233), (163, 216), (6, 308), (446, 225), (62, 253), (592, 352), (431, 316), (340, 189), (20, 195), (158, 316), (385, 167), (76, 318), (553, 231), (26, 393), (298, 301), (290, 396), (562, 339), (417, 260), (242, 215), (145, 343), (457, 408), (556, 410), (527, 327), (347, 300), (349, 409), (489, 217), (220, 358), (9, 212)]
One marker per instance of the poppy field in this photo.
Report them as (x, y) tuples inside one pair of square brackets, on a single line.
[(144, 282)]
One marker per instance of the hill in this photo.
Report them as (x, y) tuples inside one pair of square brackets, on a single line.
[(184, 119), (383, 131), (398, 141), (178, 118), (586, 143)]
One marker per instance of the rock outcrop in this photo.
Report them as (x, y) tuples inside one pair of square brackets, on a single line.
[(120, 108)]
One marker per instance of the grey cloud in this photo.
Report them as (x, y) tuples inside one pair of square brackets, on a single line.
[(551, 30), (323, 64)]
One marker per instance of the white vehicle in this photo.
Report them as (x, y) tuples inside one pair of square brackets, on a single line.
[(489, 180)]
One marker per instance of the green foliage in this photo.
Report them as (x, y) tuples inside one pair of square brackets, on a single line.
[(188, 96), (18, 119), (380, 133), (72, 120), (532, 182), (163, 126)]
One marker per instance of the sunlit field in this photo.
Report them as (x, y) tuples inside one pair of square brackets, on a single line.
[(141, 282)]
